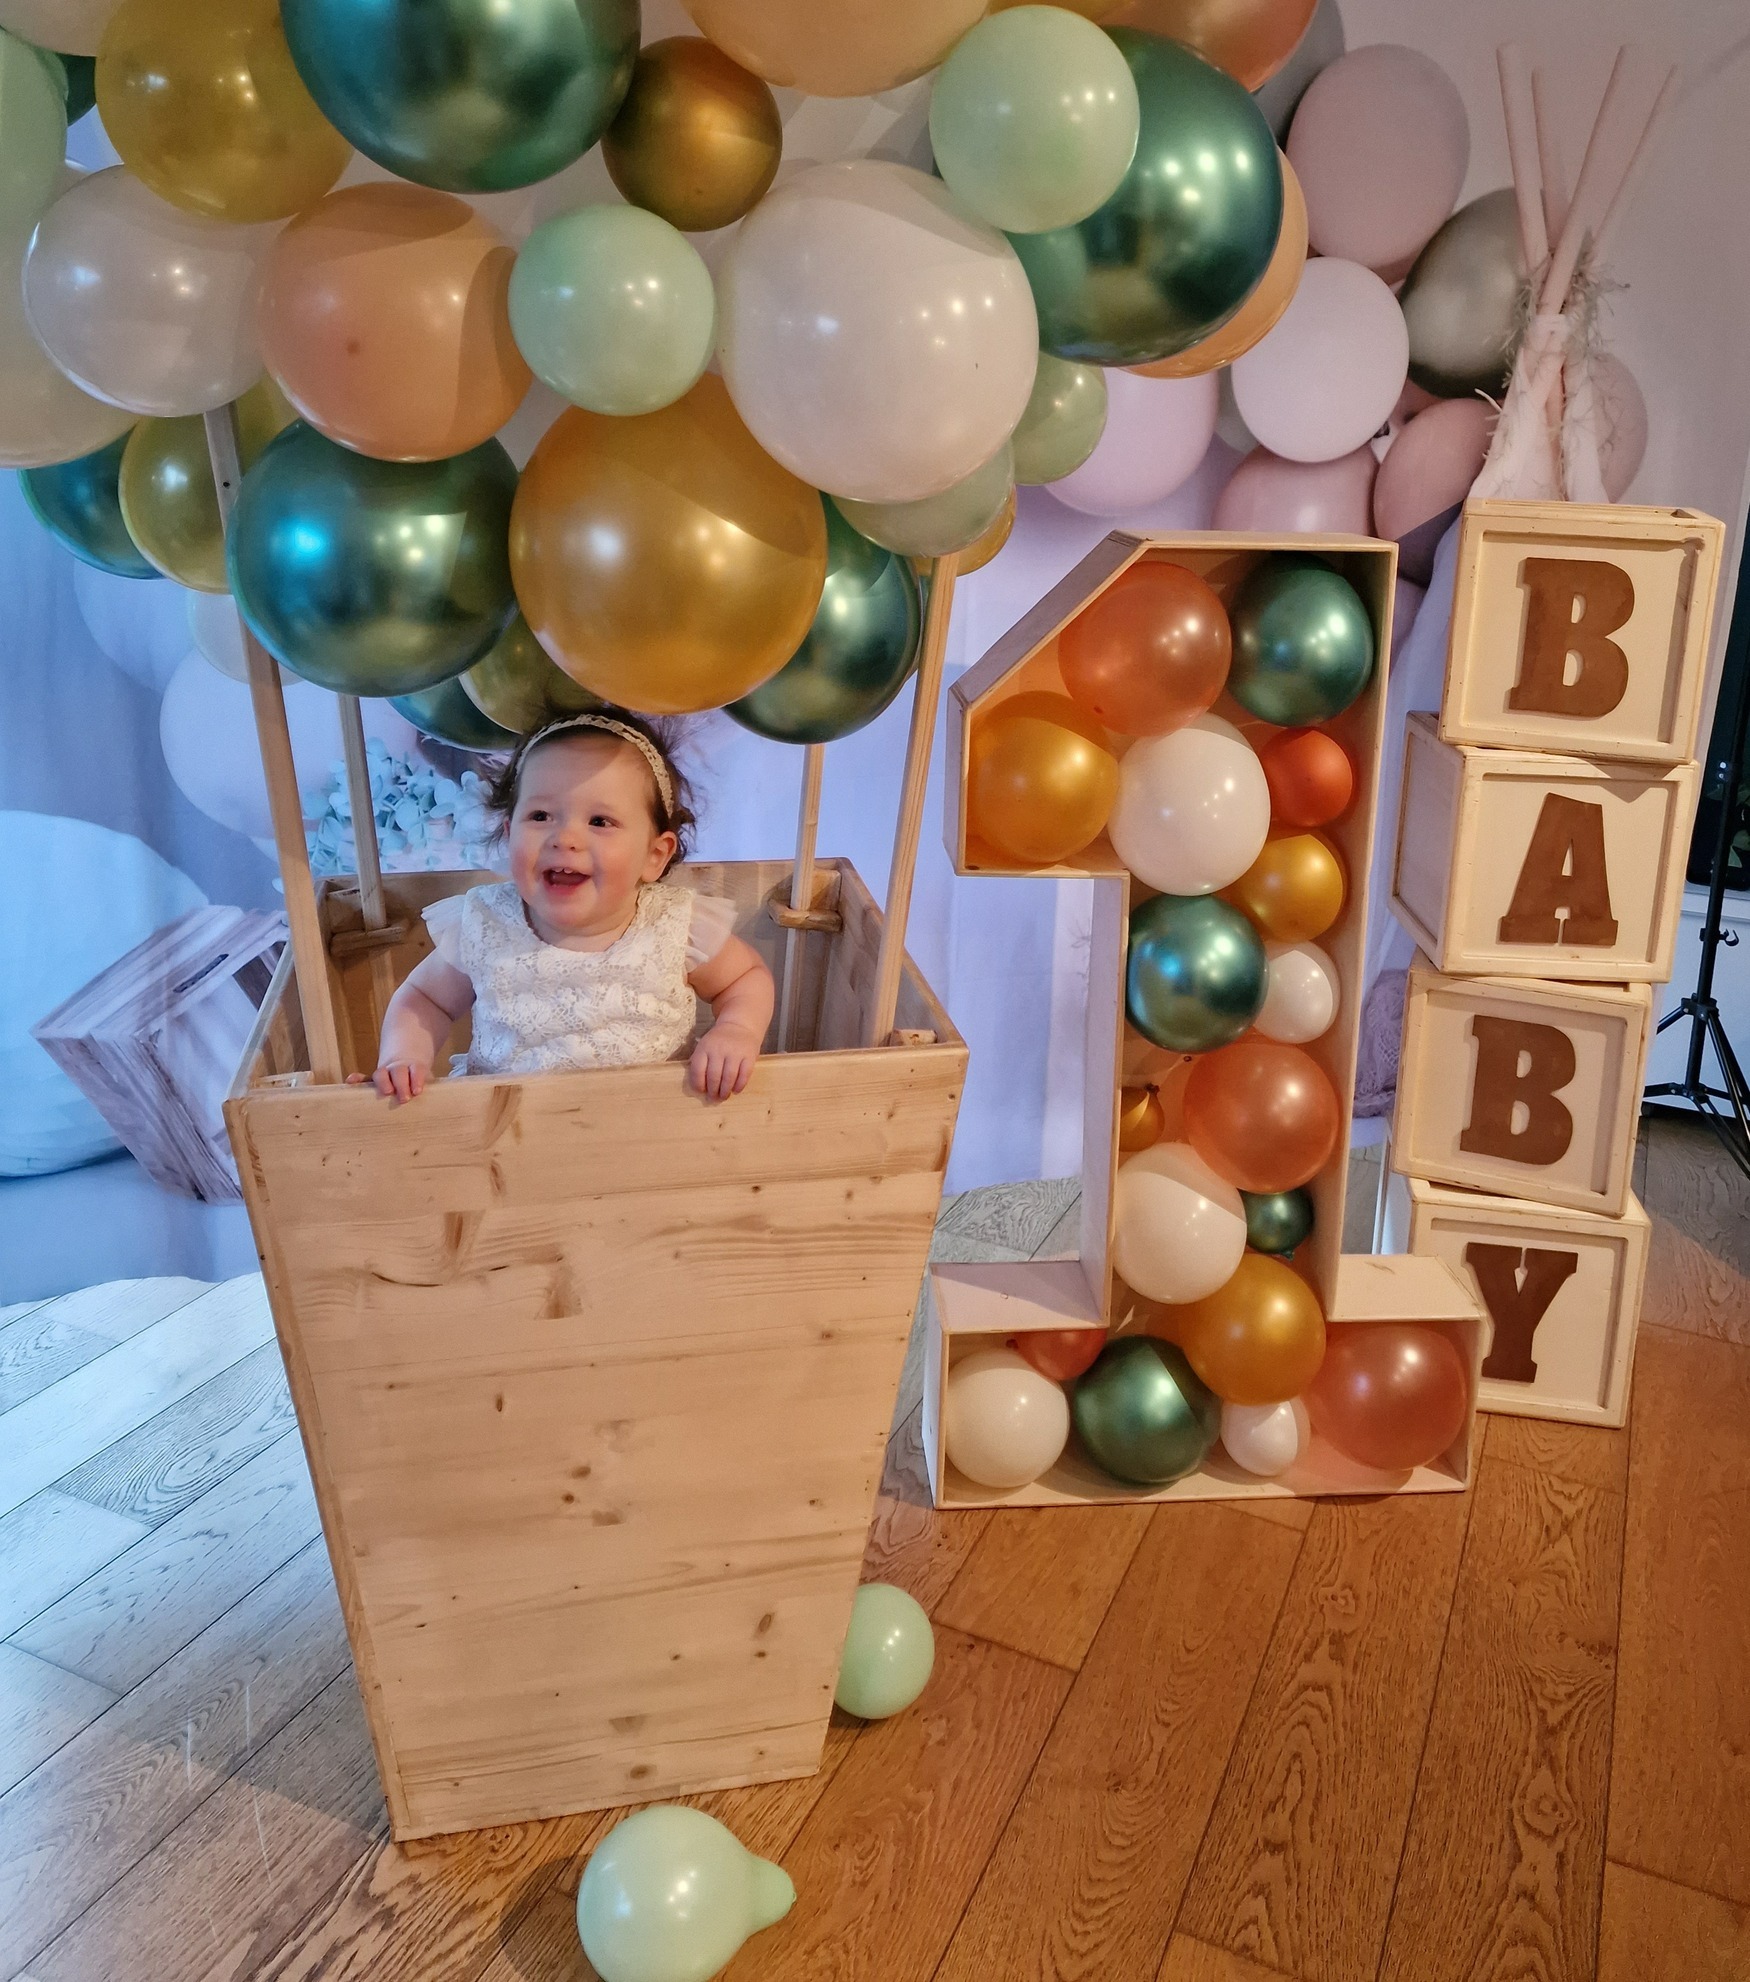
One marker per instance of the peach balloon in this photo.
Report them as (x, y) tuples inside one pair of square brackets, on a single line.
[(1263, 1115), (1390, 1394), (836, 47), (1295, 888), (1041, 779), (1150, 653), (1310, 775), (1250, 39), (383, 317), (1260, 1338), (1300, 498), (1426, 475)]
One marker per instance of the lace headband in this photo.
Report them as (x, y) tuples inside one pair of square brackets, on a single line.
[(625, 731)]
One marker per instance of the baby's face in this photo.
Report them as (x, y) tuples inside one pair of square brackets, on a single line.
[(582, 837)]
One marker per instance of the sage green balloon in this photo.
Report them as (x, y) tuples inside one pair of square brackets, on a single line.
[(859, 651), (472, 96), (1195, 973), (1188, 234), (1277, 1221), (77, 501), (33, 130), (935, 525), (448, 712), (1303, 645), (890, 1650), (1033, 118), (670, 1894), (1063, 422), (613, 308), (1462, 301), (1143, 1413)]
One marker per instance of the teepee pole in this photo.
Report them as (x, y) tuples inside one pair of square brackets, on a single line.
[(801, 891), (310, 955), (367, 854)]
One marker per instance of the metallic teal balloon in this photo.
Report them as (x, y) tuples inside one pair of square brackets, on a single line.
[(1143, 1413), (373, 577), (448, 712), (1189, 232), (76, 501), (472, 96), (1196, 974), (1303, 643), (1277, 1221), (859, 651)]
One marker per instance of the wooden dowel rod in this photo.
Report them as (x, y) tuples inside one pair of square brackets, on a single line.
[(1663, 104), (1590, 199), (367, 854), (1522, 152), (801, 890), (315, 996), (901, 874), (1549, 160)]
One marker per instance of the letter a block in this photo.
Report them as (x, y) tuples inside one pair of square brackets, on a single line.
[(1581, 628), (1522, 1088), (1515, 862)]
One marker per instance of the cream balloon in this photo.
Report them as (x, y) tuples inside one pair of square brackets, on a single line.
[(876, 339), (216, 628), (44, 417), (1157, 430), (141, 627), (71, 27), (1193, 808), (142, 304), (1178, 1230), (1265, 1439), (1003, 1424), (1302, 997)]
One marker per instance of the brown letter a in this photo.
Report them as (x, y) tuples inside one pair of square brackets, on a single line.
[(1516, 1310), (1563, 876), (1605, 596), (1549, 1066)]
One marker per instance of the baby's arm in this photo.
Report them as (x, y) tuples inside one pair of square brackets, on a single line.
[(738, 988), (418, 1021)]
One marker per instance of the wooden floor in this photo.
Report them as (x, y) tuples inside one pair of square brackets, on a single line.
[(1499, 1735)]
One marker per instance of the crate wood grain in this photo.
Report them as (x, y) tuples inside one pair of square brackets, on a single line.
[(1563, 1289), (1523, 864), (153, 1041), (1581, 628), (1522, 1088), (595, 1379)]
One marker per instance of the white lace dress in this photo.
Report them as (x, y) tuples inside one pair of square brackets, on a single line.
[(541, 1009)]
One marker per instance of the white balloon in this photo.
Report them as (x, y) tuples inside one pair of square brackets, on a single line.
[(216, 628), (1193, 808), (1265, 1439), (1302, 997), (44, 417), (71, 27), (138, 623), (1178, 1230), (1003, 1424), (877, 339), (1157, 430), (1322, 382), (142, 304)]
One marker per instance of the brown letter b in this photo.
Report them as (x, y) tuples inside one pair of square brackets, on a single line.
[(1605, 596), (1550, 1063)]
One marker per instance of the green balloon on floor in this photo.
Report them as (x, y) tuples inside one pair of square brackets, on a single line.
[(890, 1650), (1303, 641), (1196, 973), (77, 502), (449, 713), (1277, 1221), (1143, 1413)]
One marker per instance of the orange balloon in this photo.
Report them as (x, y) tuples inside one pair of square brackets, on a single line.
[(1151, 653), (665, 560), (1263, 1115), (1263, 308), (1260, 1338), (1041, 779), (1390, 1394), (383, 317), (1294, 890), (1250, 39), (1060, 1353), (1310, 775), (836, 47)]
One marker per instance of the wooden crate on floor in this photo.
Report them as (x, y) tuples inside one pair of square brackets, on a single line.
[(595, 1379)]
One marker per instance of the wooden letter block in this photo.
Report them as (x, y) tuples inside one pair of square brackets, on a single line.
[(1527, 1089), (1517, 863), (1581, 628), (1563, 1289)]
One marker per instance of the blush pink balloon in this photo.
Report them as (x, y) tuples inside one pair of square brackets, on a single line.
[(1157, 430), (1426, 474), (1380, 143), (1294, 498), (1622, 444)]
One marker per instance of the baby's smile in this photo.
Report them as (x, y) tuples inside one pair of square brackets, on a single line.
[(562, 879)]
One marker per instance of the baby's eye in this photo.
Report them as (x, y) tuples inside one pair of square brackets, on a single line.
[(537, 815), (602, 819)]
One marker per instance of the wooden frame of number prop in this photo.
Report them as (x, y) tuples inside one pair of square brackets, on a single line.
[(974, 1304)]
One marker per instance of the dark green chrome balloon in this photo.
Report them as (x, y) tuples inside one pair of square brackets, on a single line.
[(1196, 973), (373, 577), (1186, 237), (1462, 300), (473, 96), (77, 502), (1143, 1413), (449, 713), (1303, 643), (1277, 1221), (80, 75), (861, 647)]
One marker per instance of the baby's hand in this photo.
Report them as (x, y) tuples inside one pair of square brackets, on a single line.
[(400, 1080), (722, 1061)]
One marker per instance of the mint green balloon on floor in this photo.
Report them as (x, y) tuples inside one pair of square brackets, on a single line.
[(890, 1650)]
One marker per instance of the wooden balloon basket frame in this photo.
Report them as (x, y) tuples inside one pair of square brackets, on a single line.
[(595, 1378)]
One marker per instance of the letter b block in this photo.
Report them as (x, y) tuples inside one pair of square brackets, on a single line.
[(1525, 1089)]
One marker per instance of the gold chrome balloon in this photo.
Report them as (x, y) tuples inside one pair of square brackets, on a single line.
[(1041, 778), (1142, 1121), (698, 137), (1294, 890), (982, 549), (518, 685)]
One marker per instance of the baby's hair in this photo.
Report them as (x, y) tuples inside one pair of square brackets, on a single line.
[(663, 737)]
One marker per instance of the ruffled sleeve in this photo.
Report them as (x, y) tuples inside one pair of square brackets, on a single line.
[(712, 926), (443, 922)]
